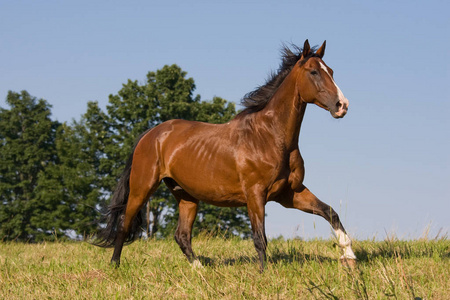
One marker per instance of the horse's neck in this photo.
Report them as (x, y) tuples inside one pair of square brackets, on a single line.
[(286, 110)]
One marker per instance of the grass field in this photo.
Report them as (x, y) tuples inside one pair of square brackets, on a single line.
[(156, 269)]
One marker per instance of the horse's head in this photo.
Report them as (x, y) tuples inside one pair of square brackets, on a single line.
[(316, 84)]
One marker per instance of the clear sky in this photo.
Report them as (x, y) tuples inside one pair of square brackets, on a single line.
[(385, 167)]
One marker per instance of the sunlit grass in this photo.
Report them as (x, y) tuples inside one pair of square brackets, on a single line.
[(156, 269)]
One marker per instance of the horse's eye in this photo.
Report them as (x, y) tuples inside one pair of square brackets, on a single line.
[(314, 72)]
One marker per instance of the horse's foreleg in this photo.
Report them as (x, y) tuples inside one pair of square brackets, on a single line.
[(256, 209), (306, 201)]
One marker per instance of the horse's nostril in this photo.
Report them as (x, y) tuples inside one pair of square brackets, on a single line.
[(339, 104)]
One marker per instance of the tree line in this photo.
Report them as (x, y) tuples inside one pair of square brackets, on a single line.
[(56, 178)]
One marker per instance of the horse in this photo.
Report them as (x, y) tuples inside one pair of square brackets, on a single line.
[(249, 161)]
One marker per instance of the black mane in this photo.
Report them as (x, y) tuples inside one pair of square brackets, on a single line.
[(258, 99)]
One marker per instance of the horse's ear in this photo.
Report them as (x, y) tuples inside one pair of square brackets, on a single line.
[(306, 49), (321, 51)]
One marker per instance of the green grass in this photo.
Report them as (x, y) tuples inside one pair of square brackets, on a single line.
[(156, 269)]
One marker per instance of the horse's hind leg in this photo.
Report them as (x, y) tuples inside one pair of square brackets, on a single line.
[(308, 202), (188, 206), (143, 182)]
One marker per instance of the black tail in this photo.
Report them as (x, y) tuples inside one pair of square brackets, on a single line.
[(106, 237)]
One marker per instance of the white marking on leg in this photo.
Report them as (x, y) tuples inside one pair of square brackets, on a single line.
[(346, 244), (196, 264)]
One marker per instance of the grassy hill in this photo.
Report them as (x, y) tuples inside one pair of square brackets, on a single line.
[(156, 269)]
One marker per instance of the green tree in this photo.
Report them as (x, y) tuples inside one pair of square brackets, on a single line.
[(52, 183), (76, 181), (65, 188), (97, 135), (27, 138)]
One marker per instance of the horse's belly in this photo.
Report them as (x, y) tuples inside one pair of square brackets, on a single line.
[(213, 183), (212, 190)]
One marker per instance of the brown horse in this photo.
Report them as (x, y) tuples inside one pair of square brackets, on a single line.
[(248, 161)]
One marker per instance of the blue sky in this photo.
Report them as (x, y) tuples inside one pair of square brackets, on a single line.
[(385, 167)]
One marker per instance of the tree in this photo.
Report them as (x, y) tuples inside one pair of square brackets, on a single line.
[(167, 95), (51, 177), (75, 181), (27, 138)]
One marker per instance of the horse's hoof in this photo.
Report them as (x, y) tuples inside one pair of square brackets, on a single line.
[(196, 264), (348, 262), (115, 263)]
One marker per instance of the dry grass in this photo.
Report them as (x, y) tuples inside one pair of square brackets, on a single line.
[(156, 269)]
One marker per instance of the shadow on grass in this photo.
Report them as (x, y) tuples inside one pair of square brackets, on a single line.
[(297, 256), (279, 257), (240, 260), (406, 249), (365, 252)]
